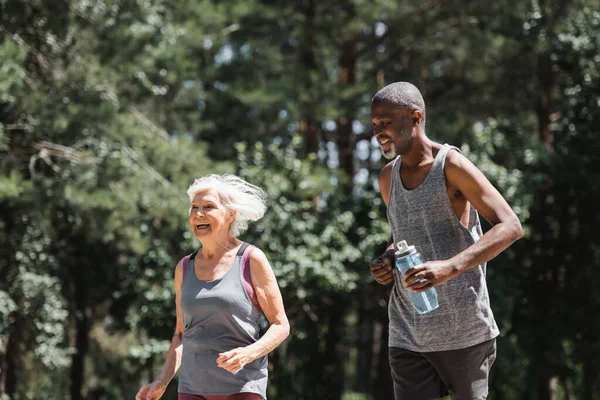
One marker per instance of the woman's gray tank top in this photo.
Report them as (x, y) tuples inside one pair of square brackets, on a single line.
[(218, 316), (424, 218)]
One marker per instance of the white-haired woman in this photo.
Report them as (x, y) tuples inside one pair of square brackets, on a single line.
[(221, 291)]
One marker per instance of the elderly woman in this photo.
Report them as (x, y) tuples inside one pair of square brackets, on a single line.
[(220, 292)]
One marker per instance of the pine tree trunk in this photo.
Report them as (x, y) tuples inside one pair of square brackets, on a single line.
[(544, 106), (334, 347), (308, 123), (8, 365), (384, 389), (345, 137), (82, 328), (364, 343), (589, 379)]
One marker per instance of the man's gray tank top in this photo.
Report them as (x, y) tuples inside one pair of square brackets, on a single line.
[(424, 218), (218, 316)]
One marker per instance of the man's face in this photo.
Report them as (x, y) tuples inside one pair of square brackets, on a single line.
[(392, 127)]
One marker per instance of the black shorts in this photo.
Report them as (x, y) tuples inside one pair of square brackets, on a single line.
[(462, 373)]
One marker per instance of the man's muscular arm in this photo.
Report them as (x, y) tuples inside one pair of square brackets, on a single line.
[(477, 189)]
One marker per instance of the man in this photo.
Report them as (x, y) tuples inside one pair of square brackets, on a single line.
[(434, 196)]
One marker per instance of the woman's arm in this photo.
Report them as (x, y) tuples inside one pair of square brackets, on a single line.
[(173, 361)]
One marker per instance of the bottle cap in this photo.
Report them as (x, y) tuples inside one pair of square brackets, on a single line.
[(403, 249)]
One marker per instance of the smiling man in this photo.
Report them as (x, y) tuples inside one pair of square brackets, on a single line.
[(434, 197)]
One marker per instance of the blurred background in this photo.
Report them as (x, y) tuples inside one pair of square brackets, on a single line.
[(109, 110)]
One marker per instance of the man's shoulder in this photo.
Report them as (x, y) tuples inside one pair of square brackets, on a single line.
[(385, 181), (456, 161), (386, 172)]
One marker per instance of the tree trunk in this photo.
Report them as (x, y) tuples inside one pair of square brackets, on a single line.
[(545, 74), (4, 365), (589, 379), (8, 365), (334, 376), (567, 385), (544, 106), (384, 389), (542, 380), (308, 123), (82, 328), (345, 136), (364, 343)]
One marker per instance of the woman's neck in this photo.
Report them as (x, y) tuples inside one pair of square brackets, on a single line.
[(217, 247)]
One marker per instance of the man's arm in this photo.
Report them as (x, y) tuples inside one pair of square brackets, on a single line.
[(382, 268), (477, 189), (385, 181)]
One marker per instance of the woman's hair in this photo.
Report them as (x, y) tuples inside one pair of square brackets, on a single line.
[(236, 194)]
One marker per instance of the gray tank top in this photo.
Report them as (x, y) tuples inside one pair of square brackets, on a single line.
[(218, 316), (424, 218)]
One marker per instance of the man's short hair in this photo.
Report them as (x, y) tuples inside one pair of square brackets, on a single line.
[(401, 94)]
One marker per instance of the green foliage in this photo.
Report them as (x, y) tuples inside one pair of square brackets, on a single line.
[(108, 110), (8, 306), (93, 192), (562, 259)]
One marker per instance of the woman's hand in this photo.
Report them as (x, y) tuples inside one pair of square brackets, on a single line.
[(234, 360), (152, 391)]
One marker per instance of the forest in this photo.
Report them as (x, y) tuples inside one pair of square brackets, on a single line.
[(110, 109)]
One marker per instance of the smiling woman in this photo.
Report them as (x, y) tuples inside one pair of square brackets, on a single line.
[(221, 291), (245, 200)]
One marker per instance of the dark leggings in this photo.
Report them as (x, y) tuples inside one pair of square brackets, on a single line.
[(237, 396)]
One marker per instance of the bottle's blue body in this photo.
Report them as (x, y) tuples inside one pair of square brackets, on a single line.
[(423, 302)]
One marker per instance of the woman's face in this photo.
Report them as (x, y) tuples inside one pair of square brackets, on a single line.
[(208, 216)]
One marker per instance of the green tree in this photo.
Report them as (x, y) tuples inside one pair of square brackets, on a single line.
[(93, 190)]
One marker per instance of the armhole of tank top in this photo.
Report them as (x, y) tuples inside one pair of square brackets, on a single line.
[(186, 262), (392, 184), (448, 149), (473, 214), (394, 167), (247, 278)]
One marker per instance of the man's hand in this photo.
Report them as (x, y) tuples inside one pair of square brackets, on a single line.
[(383, 269), (429, 274), (234, 360)]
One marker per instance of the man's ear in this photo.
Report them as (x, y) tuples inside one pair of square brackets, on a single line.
[(416, 116)]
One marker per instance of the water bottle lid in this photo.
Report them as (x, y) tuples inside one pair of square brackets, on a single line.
[(403, 249)]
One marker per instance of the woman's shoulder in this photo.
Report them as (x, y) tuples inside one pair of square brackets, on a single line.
[(183, 262), (255, 254)]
